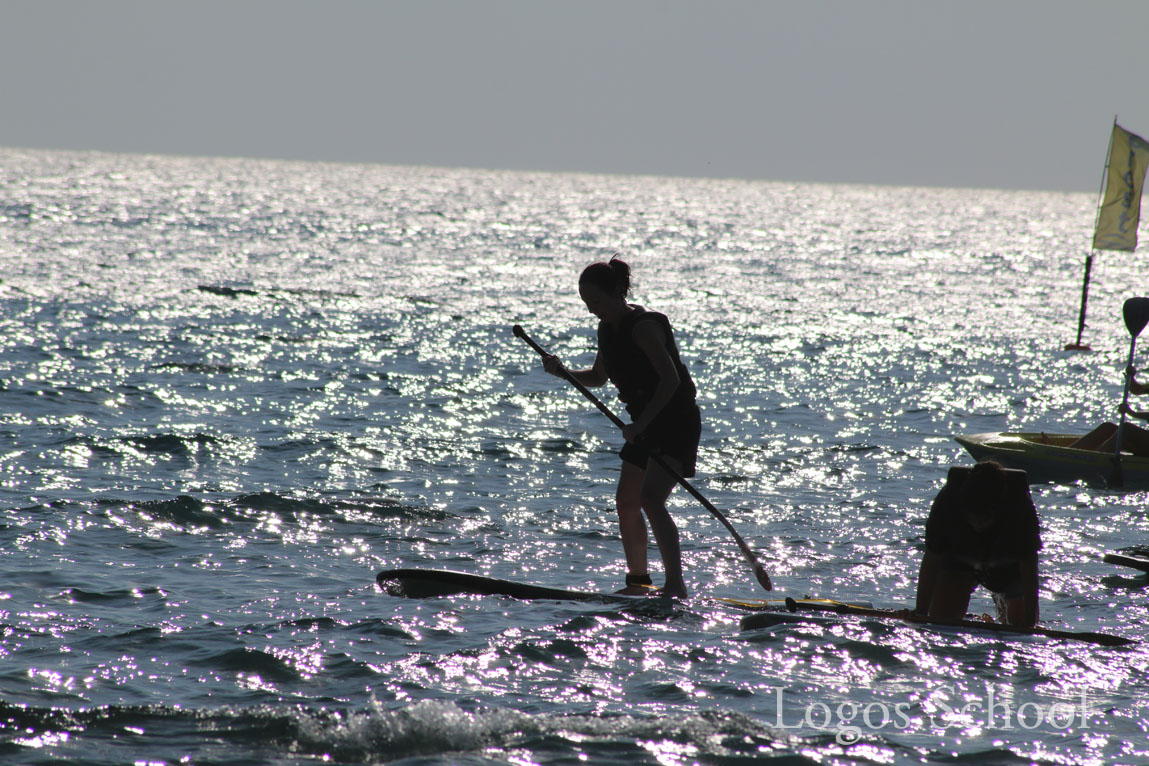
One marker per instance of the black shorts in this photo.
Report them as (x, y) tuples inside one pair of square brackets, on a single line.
[(673, 434)]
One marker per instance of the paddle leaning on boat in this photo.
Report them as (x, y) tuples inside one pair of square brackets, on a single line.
[(1114, 455)]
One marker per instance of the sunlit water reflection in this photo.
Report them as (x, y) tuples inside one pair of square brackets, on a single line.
[(231, 391)]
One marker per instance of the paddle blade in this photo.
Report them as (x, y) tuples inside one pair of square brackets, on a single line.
[(762, 577), (1136, 313)]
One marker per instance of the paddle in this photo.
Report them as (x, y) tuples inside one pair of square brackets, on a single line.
[(759, 570), (1104, 639), (1136, 314)]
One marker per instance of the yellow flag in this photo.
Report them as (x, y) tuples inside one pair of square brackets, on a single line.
[(1121, 207)]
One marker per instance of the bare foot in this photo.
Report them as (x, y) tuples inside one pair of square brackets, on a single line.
[(675, 592)]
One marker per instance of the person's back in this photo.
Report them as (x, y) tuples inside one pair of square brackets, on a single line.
[(982, 530)]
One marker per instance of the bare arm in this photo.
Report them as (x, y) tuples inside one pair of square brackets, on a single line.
[(1139, 414), (1134, 386), (1027, 617), (927, 580), (592, 377)]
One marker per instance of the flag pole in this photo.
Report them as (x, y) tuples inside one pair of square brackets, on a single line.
[(1077, 346)]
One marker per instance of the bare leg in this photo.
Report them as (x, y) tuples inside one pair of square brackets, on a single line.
[(950, 598), (655, 490), (631, 525), (1014, 611)]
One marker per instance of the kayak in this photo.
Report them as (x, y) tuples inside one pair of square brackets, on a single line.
[(1047, 457)]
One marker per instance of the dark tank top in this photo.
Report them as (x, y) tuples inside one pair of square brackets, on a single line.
[(1014, 536), (630, 370)]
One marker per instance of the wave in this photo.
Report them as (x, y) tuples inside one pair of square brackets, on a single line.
[(196, 367), (248, 661), (227, 292), (184, 511), (130, 446), (169, 443), (187, 511), (432, 731), (114, 597), (239, 292), (377, 507)]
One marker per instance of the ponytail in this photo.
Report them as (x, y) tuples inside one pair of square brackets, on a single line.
[(612, 277)]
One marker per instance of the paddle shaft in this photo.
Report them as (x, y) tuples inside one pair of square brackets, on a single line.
[(759, 571), (1104, 639), (1135, 312), (1117, 478)]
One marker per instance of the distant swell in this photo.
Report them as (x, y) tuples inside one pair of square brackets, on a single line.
[(227, 292), (190, 511), (250, 662), (184, 511), (169, 443)]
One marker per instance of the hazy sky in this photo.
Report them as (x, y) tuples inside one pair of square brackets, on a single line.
[(1016, 94)]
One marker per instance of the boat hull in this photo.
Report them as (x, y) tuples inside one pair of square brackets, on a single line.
[(1047, 457)]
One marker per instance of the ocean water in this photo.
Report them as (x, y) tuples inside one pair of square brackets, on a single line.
[(231, 391)]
